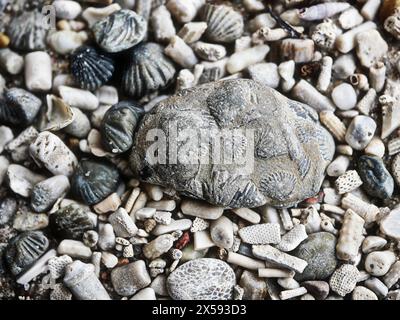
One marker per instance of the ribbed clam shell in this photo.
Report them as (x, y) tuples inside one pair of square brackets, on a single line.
[(148, 70), (120, 31), (90, 68), (19, 107), (27, 31), (24, 250), (70, 222), (94, 180), (224, 24), (118, 126)]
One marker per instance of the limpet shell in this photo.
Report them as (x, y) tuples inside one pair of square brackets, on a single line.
[(19, 107), (224, 24), (120, 31), (24, 249), (71, 222), (148, 70), (94, 180), (118, 126), (27, 31), (90, 68)]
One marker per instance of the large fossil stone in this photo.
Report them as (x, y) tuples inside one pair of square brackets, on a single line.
[(271, 149)]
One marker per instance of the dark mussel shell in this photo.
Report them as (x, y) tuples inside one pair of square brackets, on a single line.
[(90, 68), (149, 70), (94, 180), (19, 107), (118, 126), (70, 222), (120, 31), (24, 249), (27, 31)]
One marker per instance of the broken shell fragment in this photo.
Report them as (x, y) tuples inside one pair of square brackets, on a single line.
[(58, 115), (120, 30), (93, 180), (22, 180)]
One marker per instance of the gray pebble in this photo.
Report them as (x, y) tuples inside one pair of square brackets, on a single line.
[(360, 132), (8, 207)]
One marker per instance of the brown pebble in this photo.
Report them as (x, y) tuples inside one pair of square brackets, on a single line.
[(4, 40)]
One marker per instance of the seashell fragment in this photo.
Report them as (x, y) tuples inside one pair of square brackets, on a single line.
[(390, 225), (370, 47), (224, 24), (67, 9), (58, 115), (307, 93), (71, 222), (181, 53), (51, 152), (66, 41), (350, 18), (243, 59), (365, 210), (90, 69), (348, 181), (24, 249), (292, 239), (346, 41), (122, 223), (27, 31), (322, 11), (184, 10), (335, 126), (145, 60), (20, 107), (94, 14), (208, 51), (120, 30), (47, 192), (162, 24), (22, 180), (80, 126), (94, 180), (363, 293), (118, 126), (192, 31), (299, 50), (266, 233), (393, 275)]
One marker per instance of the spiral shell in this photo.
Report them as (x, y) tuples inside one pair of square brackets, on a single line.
[(19, 107), (120, 31), (118, 126), (24, 250), (70, 222), (149, 70), (223, 23), (27, 31), (91, 69), (94, 180)]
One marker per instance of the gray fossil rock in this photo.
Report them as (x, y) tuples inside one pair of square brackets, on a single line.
[(271, 149)]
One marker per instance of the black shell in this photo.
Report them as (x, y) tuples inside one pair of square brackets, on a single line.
[(120, 31), (24, 249), (70, 222), (27, 31), (148, 70), (224, 24), (118, 126), (19, 107), (94, 180), (90, 69), (377, 181)]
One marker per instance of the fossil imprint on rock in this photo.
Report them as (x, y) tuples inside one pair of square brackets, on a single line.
[(283, 159)]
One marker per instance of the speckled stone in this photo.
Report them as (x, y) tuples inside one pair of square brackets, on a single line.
[(202, 279), (290, 151), (319, 252), (377, 180), (8, 207)]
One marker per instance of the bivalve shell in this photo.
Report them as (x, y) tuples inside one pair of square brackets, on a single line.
[(148, 70), (120, 31), (94, 180), (91, 69), (224, 24), (118, 126)]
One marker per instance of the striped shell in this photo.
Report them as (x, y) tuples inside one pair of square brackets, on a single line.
[(70, 222), (19, 107), (94, 180), (27, 31), (118, 126), (24, 250), (120, 31), (91, 69), (148, 70), (224, 24)]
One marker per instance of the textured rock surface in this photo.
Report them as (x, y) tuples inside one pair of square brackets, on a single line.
[(202, 279), (281, 137), (319, 252)]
